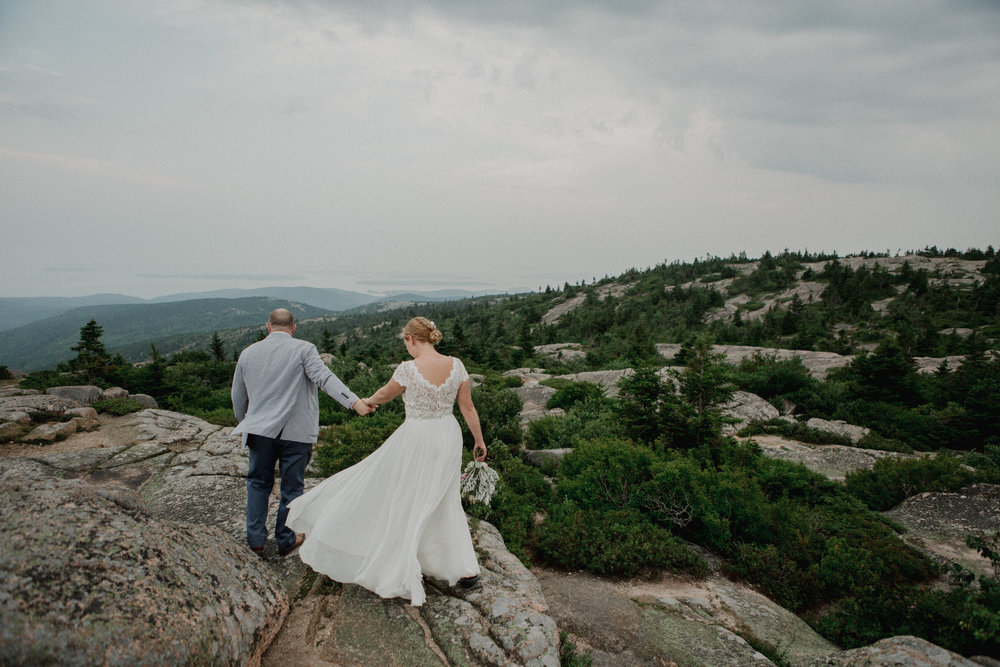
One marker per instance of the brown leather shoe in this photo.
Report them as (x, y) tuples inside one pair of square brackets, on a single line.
[(257, 550), (299, 539)]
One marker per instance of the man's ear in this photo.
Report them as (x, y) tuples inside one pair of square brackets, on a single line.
[(293, 327), (268, 327)]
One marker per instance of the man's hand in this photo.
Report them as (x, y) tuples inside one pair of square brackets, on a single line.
[(362, 408)]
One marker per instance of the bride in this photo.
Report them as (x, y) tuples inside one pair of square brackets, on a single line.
[(397, 514)]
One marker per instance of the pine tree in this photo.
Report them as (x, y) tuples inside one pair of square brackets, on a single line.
[(328, 343), (218, 349), (91, 356)]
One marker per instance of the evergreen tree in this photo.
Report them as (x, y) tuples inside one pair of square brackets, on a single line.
[(91, 356), (527, 342), (218, 349), (327, 342), (153, 382)]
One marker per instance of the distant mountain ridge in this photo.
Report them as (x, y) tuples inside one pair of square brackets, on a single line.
[(46, 327), (327, 298), (130, 328), (19, 311)]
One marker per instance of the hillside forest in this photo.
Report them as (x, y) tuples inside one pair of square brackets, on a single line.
[(653, 480)]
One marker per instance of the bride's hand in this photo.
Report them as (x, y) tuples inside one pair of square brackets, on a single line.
[(479, 451)]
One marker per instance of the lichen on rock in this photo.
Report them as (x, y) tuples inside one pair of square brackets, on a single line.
[(87, 576)]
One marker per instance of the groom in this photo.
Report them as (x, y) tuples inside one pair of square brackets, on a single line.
[(277, 411)]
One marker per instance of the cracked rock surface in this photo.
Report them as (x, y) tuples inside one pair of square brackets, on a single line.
[(133, 553)]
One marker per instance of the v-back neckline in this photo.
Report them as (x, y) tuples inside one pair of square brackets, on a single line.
[(435, 386)]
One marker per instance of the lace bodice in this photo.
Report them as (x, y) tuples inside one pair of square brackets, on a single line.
[(424, 400)]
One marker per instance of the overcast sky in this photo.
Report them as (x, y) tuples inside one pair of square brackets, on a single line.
[(157, 146)]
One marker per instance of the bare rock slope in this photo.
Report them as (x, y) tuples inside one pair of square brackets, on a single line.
[(141, 540)]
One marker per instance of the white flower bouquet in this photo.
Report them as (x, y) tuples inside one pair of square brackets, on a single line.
[(479, 482)]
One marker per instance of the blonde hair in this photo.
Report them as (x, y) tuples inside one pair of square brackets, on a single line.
[(421, 328)]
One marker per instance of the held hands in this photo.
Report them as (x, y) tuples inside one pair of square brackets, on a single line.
[(363, 407), (479, 451)]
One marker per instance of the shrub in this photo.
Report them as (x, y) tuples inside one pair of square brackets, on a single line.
[(118, 406), (556, 383), (342, 445), (892, 480), (547, 433), (770, 378), (605, 474), (499, 411), (42, 380), (619, 543), (5, 373), (591, 420), (568, 657), (930, 614), (875, 441), (573, 393), (796, 431), (988, 460), (522, 494), (220, 416)]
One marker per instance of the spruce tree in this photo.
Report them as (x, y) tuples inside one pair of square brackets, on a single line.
[(328, 343), (218, 349), (91, 356)]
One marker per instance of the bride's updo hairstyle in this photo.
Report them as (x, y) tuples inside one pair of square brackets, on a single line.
[(422, 329)]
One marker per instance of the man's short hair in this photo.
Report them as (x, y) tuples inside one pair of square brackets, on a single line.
[(281, 317)]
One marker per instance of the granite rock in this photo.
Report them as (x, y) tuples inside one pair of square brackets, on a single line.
[(902, 651), (82, 394), (89, 577)]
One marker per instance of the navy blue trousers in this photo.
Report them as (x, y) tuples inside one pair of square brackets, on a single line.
[(292, 458)]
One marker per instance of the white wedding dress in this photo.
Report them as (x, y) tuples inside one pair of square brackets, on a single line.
[(397, 514)]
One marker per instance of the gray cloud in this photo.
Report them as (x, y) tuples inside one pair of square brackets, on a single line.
[(226, 277), (486, 143)]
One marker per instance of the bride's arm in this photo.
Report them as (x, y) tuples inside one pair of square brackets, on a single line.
[(468, 409), (389, 391)]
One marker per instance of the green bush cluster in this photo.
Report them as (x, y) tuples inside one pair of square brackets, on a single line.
[(797, 535), (118, 406), (523, 494), (568, 656), (573, 393), (618, 542), (795, 431), (767, 376), (342, 445), (593, 418), (893, 480), (964, 618)]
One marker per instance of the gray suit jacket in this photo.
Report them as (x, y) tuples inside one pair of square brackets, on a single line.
[(274, 389)]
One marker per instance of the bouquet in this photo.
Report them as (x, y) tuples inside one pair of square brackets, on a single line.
[(479, 481)]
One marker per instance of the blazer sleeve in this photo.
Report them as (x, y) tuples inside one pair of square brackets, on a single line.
[(241, 399), (325, 379)]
